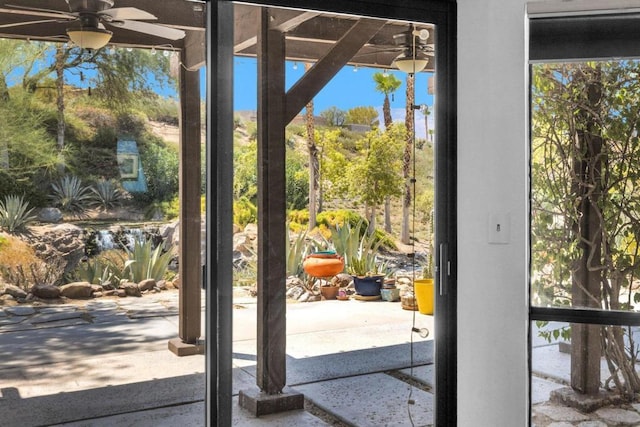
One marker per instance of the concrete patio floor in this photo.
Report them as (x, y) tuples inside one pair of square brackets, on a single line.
[(106, 363)]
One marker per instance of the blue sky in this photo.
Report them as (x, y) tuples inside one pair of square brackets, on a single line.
[(346, 90)]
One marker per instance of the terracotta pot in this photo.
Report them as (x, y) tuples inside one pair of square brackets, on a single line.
[(329, 292), (323, 264)]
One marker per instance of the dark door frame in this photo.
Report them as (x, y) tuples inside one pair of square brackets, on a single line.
[(442, 13)]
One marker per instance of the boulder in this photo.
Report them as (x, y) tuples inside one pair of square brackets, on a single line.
[(251, 230), (77, 290), (61, 244), (131, 289), (14, 291), (46, 291), (147, 284), (51, 215), (342, 279)]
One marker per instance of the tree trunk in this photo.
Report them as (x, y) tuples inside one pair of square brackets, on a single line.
[(406, 161), (586, 339), (371, 216), (314, 162), (60, 103), (388, 121), (426, 124), (386, 112), (387, 214)]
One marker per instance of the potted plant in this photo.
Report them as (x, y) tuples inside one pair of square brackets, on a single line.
[(423, 287), (367, 275)]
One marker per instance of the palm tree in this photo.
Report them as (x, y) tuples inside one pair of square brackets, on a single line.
[(427, 112), (314, 162), (386, 84), (406, 160)]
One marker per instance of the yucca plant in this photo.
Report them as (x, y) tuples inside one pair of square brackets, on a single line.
[(145, 262), (106, 194), (15, 213), (70, 195)]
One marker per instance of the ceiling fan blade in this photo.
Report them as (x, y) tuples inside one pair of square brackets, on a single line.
[(153, 29), (19, 24), (125, 13)]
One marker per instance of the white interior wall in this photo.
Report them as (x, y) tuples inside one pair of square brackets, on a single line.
[(492, 173)]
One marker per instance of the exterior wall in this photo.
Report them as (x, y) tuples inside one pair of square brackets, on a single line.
[(492, 178)]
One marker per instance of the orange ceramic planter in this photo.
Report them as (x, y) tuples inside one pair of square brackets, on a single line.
[(323, 264)]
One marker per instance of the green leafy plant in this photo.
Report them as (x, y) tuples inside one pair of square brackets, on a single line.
[(70, 195), (15, 213), (145, 262), (106, 194), (244, 212), (297, 250), (358, 248), (97, 272)]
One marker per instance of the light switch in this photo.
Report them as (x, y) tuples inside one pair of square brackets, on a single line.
[(499, 228)]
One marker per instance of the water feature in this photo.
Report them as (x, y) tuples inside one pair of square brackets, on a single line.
[(119, 237)]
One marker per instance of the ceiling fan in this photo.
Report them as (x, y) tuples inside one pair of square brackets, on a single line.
[(413, 47), (89, 17), (415, 50)]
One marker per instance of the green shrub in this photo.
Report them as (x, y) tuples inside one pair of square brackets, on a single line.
[(297, 181), (144, 262), (299, 216), (161, 167), (15, 213), (131, 124), (340, 217), (70, 195), (244, 212)]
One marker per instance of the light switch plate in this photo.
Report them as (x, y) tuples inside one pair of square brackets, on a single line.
[(499, 228)]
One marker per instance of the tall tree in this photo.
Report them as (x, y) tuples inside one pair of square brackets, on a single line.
[(375, 176), (314, 163), (585, 221), (387, 84), (426, 112), (119, 77), (406, 159)]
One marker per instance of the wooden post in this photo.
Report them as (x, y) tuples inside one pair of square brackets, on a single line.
[(272, 207), (190, 268)]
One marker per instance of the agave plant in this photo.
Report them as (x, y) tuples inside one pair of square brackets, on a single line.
[(106, 194), (145, 262), (70, 195), (297, 250), (15, 213), (358, 248)]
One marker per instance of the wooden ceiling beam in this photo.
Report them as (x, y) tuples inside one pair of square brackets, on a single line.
[(328, 66), (282, 20)]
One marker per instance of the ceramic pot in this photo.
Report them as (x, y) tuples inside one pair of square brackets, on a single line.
[(368, 285), (323, 264)]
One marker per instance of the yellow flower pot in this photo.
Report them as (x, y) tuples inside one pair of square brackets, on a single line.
[(423, 288)]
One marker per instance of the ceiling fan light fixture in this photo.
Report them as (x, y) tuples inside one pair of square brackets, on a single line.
[(89, 38), (407, 63)]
